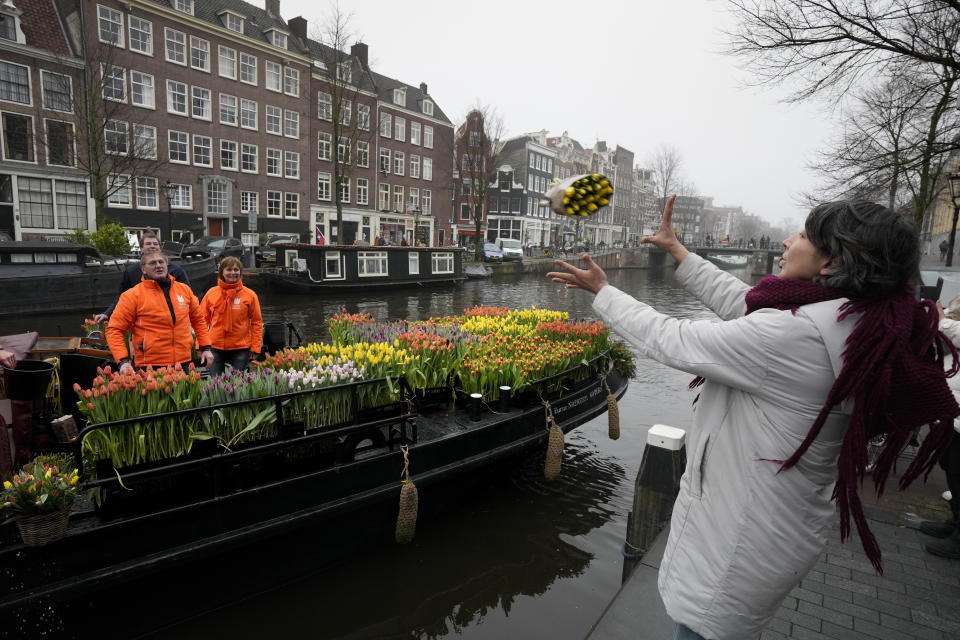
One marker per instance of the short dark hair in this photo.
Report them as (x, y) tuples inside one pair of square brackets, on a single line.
[(873, 251), (148, 234)]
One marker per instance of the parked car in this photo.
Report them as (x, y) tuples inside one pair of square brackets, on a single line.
[(492, 253), (266, 254), (512, 249), (218, 246)]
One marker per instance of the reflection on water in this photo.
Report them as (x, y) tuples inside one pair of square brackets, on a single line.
[(512, 556)]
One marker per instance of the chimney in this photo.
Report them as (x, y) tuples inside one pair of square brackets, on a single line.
[(423, 89), (360, 52), (273, 8), (299, 27)]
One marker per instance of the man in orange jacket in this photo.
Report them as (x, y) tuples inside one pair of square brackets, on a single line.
[(159, 311)]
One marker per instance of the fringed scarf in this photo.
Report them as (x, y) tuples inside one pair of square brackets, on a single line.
[(893, 371)]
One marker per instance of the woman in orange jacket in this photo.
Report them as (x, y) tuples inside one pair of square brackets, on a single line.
[(232, 314)]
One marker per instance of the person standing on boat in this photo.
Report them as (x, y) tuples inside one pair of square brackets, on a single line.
[(133, 274), (159, 313), (803, 370), (232, 315)]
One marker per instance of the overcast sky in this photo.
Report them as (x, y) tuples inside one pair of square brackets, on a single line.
[(634, 73)]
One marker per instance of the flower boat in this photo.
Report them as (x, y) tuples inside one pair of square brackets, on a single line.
[(187, 471)]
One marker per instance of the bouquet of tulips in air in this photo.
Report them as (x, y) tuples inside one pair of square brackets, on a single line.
[(579, 195)]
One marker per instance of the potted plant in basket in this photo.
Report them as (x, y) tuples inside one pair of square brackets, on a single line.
[(38, 499)]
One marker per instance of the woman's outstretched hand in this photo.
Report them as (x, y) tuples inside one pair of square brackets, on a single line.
[(591, 279), (665, 238)]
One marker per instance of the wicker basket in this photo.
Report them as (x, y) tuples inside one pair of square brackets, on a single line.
[(45, 528)]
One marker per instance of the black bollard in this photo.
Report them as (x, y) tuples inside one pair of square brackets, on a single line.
[(655, 490), (475, 399), (504, 398)]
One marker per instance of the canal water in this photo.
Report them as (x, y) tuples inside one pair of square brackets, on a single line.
[(511, 557)]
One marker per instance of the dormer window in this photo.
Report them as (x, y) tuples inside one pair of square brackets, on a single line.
[(345, 72), (183, 6), (232, 21), (428, 107), (277, 38), (10, 23), (400, 96)]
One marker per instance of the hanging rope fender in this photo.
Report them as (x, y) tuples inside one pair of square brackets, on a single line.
[(554, 459), (613, 412), (407, 516)]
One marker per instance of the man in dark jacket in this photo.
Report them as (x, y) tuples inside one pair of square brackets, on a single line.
[(133, 274)]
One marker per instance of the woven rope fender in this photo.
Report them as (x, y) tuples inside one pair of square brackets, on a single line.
[(613, 413), (407, 516), (554, 459)]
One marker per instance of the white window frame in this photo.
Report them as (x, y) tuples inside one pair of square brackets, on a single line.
[(399, 163), (343, 150), (153, 90), (343, 190), (31, 141), (251, 63), (273, 76), (363, 153), (363, 117), (172, 85), (186, 145), (288, 197), (118, 128), (332, 266), (428, 168), (324, 186), (147, 185), (276, 155), (205, 114), (385, 162), (415, 133), (277, 39), (428, 136), (345, 72), (44, 93), (179, 46), (236, 110), (399, 129), (114, 17), (148, 51), (324, 145), (279, 118), (197, 43), (291, 165), (291, 82), (228, 18), (228, 54), (29, 92), (108, 79), (278, 197), (400, 96), (248, 150), (441, 262), (324, 106), (399, 204), (372, 264), (413, 262), (182, 197), (229, 147), (427, 106), (206, 144), (116, 199), (414, 165), (363, 191), (139, 138), (386, 125), (246, 103), (291, 124), (248, 198), (183, 6)]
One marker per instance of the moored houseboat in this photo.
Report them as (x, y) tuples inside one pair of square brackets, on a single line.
[(318, 268)]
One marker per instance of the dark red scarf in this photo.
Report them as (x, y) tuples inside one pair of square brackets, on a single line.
[(893, 371)]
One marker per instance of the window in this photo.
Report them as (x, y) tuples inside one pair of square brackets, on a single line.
[(363, 191), (57, 91), (277, 39), (176, 97), (36, 202), (199, 53), (414, 198), (114, 83), (176, 46), (217, 202), (201, 103), (372, 263), (474, 139), (400, 96), (363, 154), (248, 68), (248, 158), (291, 202), (426, 201), (384, 196), (464, 212), (184, 6), (115, 136), (492, 205), (274, 73), (274, 199), (324, 146), (399, 160), (249, 202), (228, 155), (8, 27), (60, 143), (291, 82), (414, 166), (413, 263), (345, 71), (228, 109), (144, 141), (386, 125), (331, 264), (274, 120), (428, 107), (398, 197), (415, 133), (182, 197), (147, 197), (110, 22), (442, 262), (428, 136), (400, 129), (14, 83), (248, 114), (343, 150), (233, 22), (291, 123), (17, 137), (141, 35), (177, 147), (343, 190), (323, 186), (291, 164), (227, 62), (363, 117), (384, 160), (428, 168), (346, 110), (141, 90), (273, 162), (118, 186), (71, 204), (324, 106), (202, 151)]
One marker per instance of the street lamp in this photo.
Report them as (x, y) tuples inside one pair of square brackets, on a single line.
[(416, 222), (954, 180), (169, 190)]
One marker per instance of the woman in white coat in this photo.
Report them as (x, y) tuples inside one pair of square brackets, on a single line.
[(801, 372)]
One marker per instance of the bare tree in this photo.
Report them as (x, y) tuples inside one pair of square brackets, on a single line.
[(665, 163), (477, 143)]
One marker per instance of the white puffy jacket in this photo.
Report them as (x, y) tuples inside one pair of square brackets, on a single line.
[(742, 535)]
